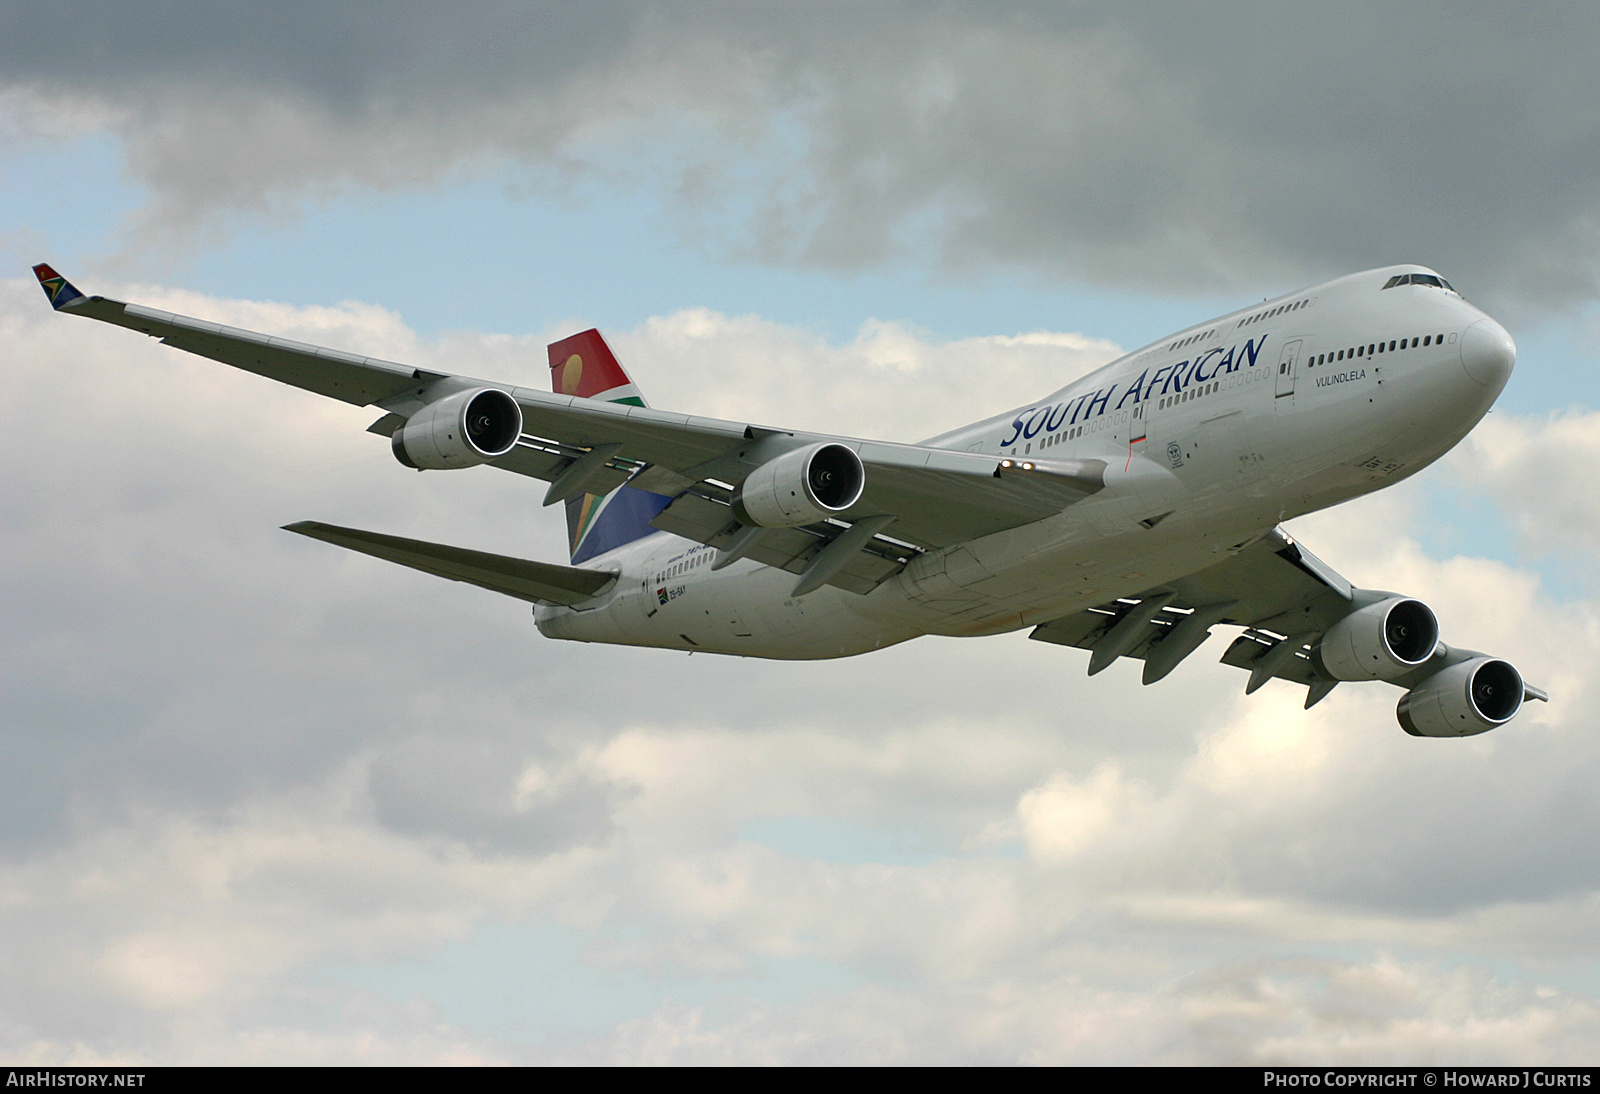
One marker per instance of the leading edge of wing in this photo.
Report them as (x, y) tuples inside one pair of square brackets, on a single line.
[(537, 582), (938, 496), (349, 377)]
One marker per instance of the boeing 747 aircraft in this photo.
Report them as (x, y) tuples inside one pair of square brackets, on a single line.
[(1126, 514)]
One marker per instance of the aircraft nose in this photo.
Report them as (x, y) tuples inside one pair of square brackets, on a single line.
[(1487, 353)]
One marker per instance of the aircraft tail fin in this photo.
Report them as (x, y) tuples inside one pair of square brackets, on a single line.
[(584, 366), (60, 291), (539, 582)]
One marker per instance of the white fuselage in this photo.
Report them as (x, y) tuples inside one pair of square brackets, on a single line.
[(1211, 436)]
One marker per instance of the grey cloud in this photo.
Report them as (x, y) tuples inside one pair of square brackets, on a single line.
[(474, 788), (343, 54), (1150, 145), (1157, 144)]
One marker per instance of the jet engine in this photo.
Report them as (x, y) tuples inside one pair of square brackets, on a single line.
[(1378, 642), (801, 487), (461, 430), (1470, 697)]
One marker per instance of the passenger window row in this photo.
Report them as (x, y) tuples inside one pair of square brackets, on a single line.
[(1279, 310), (1191, 339), (1065, 435), (1193, 393), (1372, 349), (1375, 348), (681, 568)]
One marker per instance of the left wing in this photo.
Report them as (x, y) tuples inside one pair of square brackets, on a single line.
[(916, 497), (346, 376)]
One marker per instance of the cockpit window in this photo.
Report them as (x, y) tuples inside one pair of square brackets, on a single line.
[(1419, 279)]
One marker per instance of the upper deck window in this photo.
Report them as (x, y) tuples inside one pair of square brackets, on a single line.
[(1419, 279)]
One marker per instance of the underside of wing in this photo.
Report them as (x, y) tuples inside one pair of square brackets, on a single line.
[(1274, 584), (537, 582), (1290, 604), (704, 514), (1284, 597)]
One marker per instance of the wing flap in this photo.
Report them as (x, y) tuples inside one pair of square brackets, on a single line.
[(1274, 586), (1086, 629), (1276, 589), (1284, 597), (547, 462), (1250, 648), (705, 518), (537, 582)]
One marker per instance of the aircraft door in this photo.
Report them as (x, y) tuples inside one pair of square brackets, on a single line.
[(1286, 367), (648, 605), (1138, 433)]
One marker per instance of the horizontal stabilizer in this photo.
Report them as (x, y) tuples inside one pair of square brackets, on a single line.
[(540, 582)]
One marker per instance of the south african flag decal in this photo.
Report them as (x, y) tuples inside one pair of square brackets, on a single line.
[(56, 287)]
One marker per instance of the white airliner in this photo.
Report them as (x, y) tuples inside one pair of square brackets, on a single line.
[(1127, 513)]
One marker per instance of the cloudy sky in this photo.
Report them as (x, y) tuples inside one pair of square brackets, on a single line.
[(264, 801)]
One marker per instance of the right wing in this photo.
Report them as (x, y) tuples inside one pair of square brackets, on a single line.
[(917, 497), (1284, 596)]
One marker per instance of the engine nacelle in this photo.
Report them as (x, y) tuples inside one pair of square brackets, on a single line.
[(462, 430), (1471, 697), (801, 487), (1379, 642)]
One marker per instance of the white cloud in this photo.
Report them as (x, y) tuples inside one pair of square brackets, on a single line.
[(890, 381), (1304, 1011), (1537, 473)]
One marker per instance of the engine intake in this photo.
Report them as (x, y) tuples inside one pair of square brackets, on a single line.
[(801, 487), (1474, 696), (461, 430), (1378, 642)]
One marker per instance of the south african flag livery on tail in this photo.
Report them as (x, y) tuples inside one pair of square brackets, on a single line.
[(56, 287), (583, 365)]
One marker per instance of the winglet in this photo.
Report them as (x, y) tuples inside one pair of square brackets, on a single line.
[(60, 291)]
